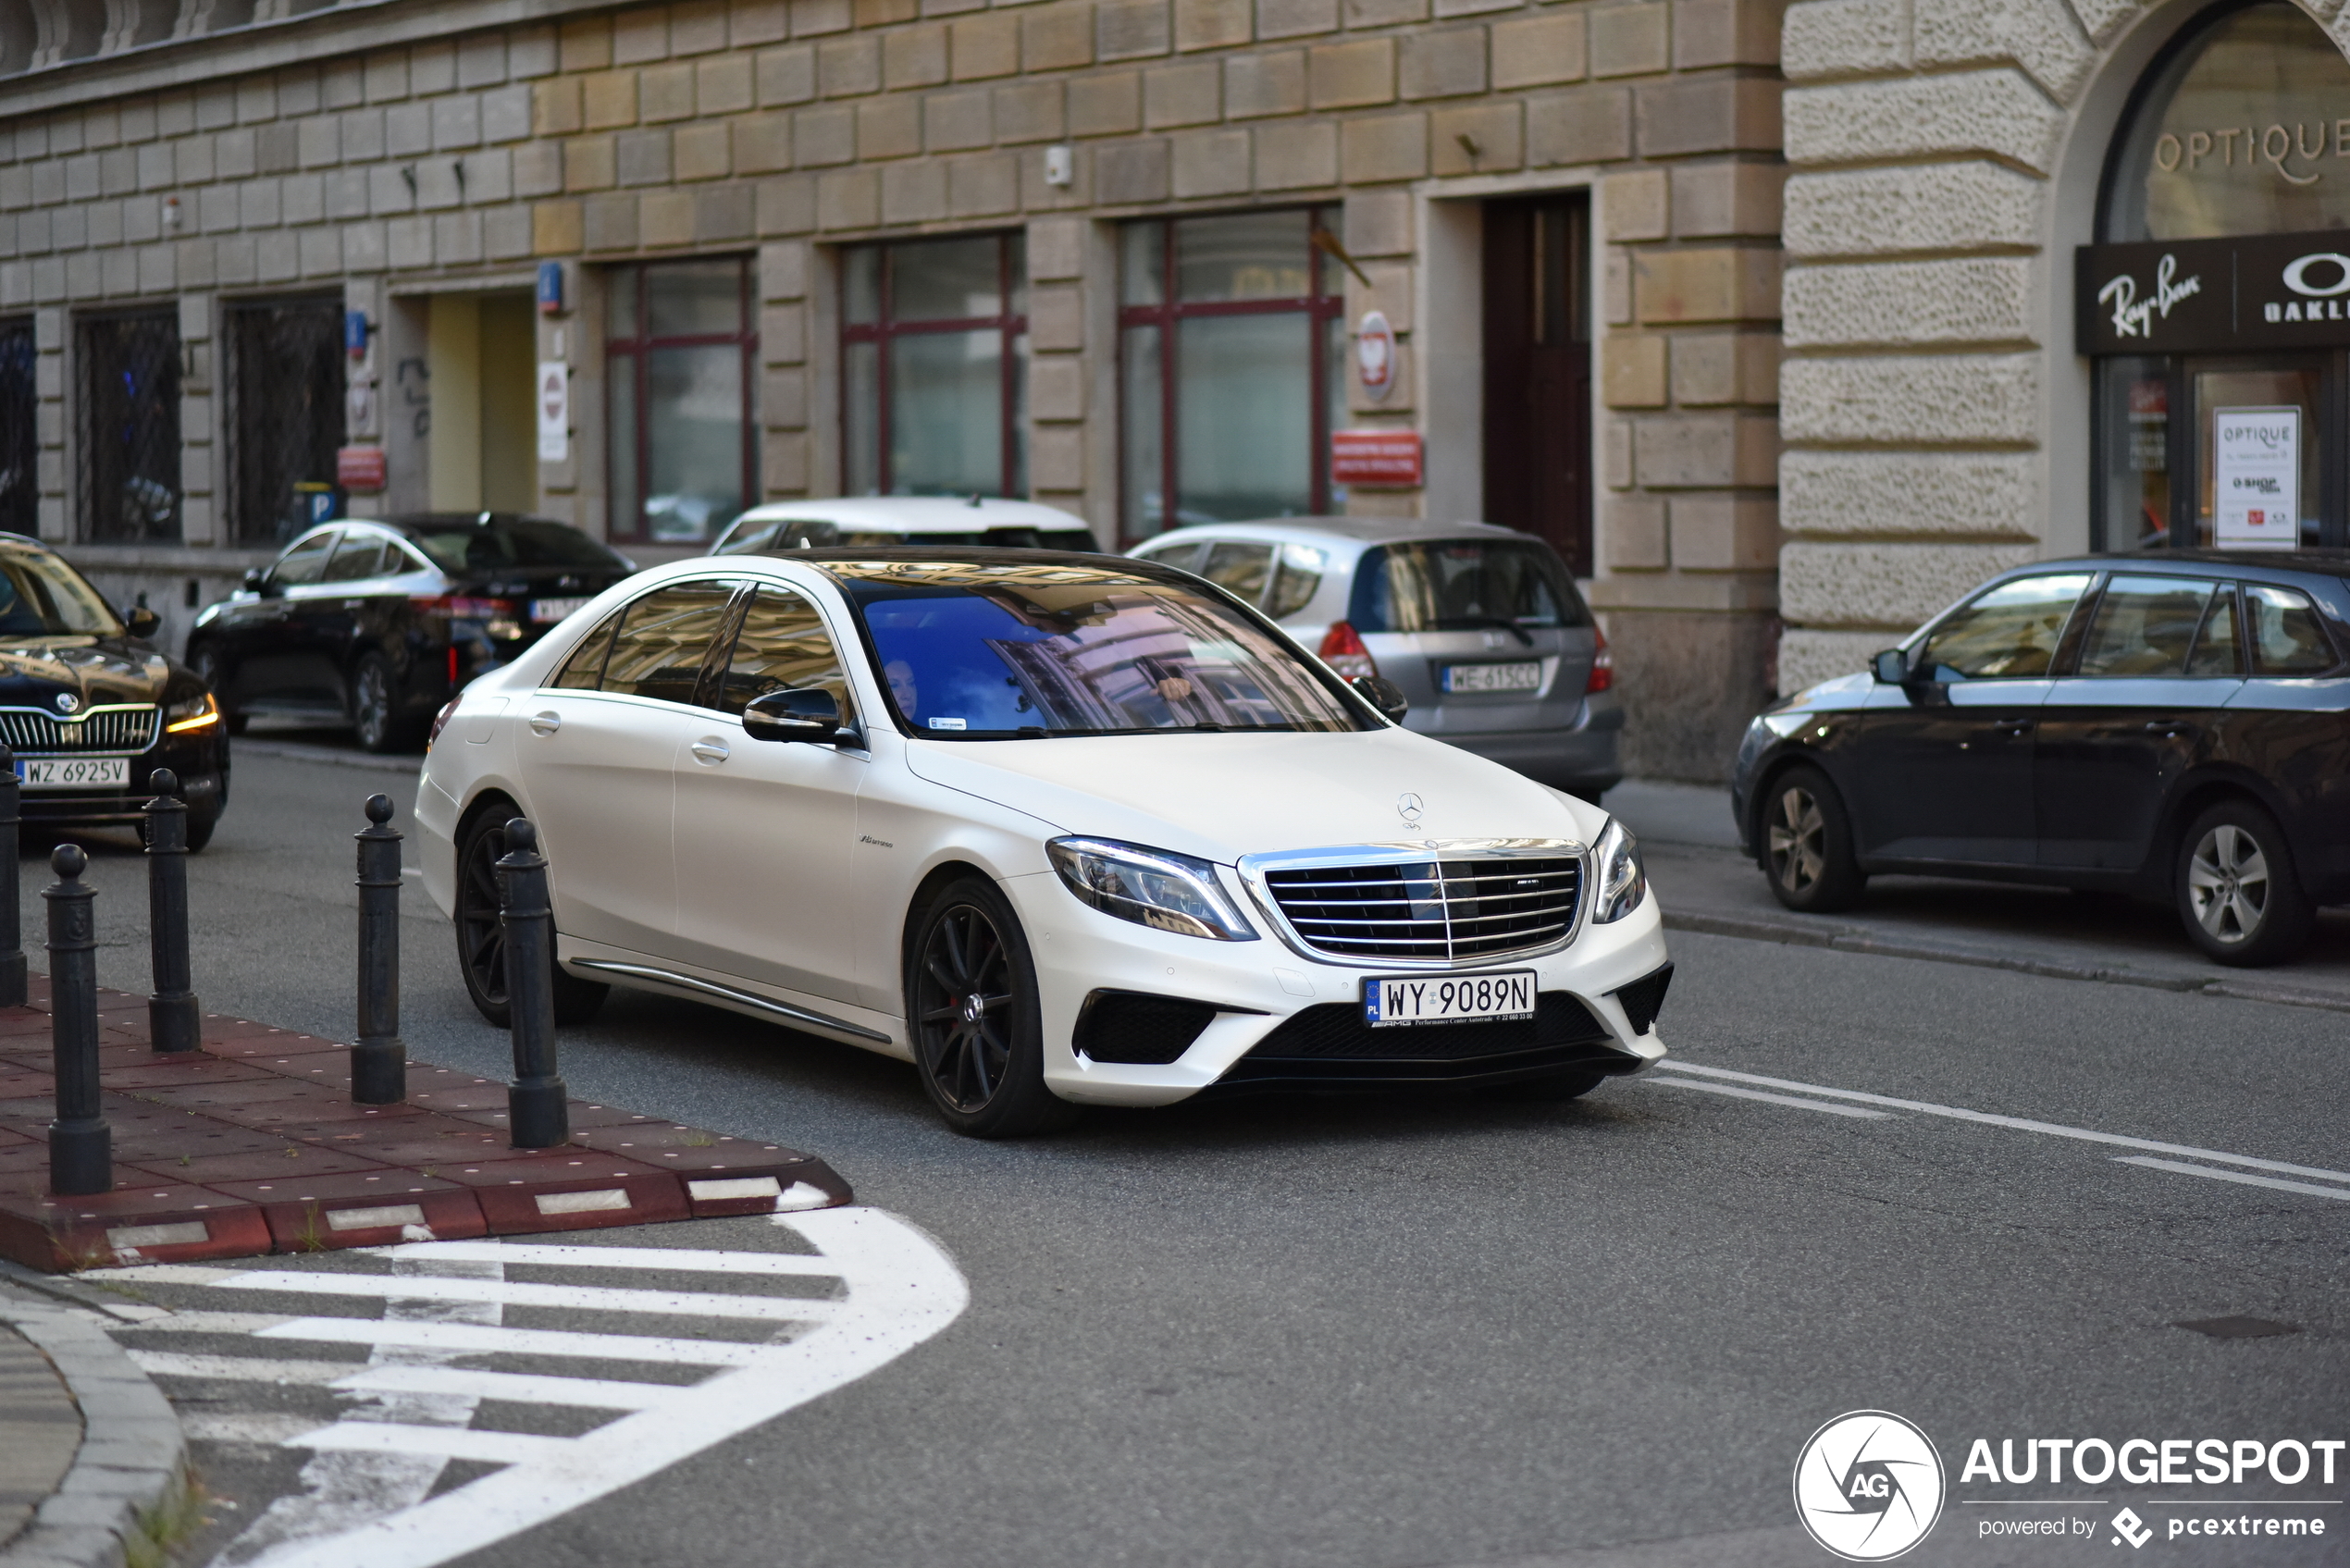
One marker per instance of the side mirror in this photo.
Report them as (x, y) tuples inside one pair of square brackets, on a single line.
[(1383, 695), (803, 713), (257, 580), (1891, 667), (141, 621)]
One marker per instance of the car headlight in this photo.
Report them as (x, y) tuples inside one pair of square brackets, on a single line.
[(197, 712), (1623, 882), (1151, 887)]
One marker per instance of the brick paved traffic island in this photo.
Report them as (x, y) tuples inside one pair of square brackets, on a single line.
[(251, 1144)]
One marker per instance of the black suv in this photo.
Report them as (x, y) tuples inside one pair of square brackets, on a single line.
[(378, 623), (2174, 723)]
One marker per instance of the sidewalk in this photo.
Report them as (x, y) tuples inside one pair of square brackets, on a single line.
[(1706, 885), (251, 1144)]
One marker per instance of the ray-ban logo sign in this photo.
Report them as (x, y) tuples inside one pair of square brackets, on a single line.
[(2189, 296)]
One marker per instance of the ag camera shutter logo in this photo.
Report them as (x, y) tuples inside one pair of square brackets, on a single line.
[(1869, 1485)]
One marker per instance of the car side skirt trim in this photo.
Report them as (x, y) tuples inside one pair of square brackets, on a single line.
[(784, 1010)]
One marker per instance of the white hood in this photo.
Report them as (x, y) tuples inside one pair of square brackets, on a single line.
[(1221, 797)]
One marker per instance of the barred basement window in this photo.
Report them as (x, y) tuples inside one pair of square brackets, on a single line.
[(284, 381), (20, 433), (128, 420)]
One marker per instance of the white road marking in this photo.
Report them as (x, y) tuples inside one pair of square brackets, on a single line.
[(269, 1428), (369, 1486), (592, 1393), (2019, 1124), (664, 1304), (1828, 1105), (239, 1368), (2244, 1177), (457, 1338)]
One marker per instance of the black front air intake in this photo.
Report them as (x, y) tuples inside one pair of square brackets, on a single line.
[(1138, 1029), (1644, 998)]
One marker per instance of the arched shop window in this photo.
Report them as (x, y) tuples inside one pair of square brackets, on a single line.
[(2217, 304)]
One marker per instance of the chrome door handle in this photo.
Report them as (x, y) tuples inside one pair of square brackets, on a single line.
[(546, 724), (2167, 726), (709, 750), (2011, 726)]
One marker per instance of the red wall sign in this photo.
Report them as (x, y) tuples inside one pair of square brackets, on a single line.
[(360, 468), (1376, 457)]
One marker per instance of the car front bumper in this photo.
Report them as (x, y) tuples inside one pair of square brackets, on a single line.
[(200, 766), (1259, 986)]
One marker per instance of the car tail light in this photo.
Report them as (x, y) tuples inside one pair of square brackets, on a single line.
[(1343, 651), (441, 721), (1603, 664)]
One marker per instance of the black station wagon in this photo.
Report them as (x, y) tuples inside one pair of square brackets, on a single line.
[(2177, 724)]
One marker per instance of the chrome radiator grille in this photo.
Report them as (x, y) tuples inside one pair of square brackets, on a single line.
[(33, 732), (1446, 909)]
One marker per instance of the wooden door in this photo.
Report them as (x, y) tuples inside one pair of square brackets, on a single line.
[(1538, 372)]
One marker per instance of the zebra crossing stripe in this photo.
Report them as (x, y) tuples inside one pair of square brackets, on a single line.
[(373, 1474)]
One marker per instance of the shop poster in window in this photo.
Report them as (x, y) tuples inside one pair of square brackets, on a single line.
[(2258, 477)]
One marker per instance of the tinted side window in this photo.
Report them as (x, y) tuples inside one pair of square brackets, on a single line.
[(1240, 568), (665, 637), (306, 563), (2287, 637), (1297, 575), (359, 556), (783, 646), (2144, 626), (1183, 557), (2008, 633), (2217, 651), (584, 671)]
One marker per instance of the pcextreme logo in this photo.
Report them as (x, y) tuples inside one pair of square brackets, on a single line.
[(1868, 1486)]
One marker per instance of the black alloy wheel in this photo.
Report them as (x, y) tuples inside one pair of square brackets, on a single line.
[(481, 938), (971, 1004), (205, 665), (375, 714), (1807, 844), (2239, 897)]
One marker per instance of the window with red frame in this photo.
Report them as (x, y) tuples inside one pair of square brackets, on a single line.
[(1230, 357), (934, 346), (679, 340)]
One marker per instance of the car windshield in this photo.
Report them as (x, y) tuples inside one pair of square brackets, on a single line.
[(796, 533), (42, 596), (974, 651), (1460, 584), (511, 542)]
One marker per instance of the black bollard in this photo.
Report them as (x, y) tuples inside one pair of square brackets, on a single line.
[(80, 1145), (538, 1106), (379, 1060), (12, 965), (174, 1020)]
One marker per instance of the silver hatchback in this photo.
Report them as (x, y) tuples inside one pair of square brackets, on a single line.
[(1481, 627)]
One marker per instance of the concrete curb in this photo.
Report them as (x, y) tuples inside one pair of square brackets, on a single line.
[(1844, 938), (133, 1457)]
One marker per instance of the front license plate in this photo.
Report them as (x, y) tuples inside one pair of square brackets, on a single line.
[(74, 772), (545, 610), (1527, 676), (1460, 998)]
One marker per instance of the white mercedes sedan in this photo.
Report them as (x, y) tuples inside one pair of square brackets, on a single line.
[(1058, 829)]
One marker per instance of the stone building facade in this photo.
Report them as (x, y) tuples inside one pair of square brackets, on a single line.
[(188, 188), (1947, 159)]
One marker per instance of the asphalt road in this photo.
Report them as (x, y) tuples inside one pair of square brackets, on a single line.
[(1352, 1333)]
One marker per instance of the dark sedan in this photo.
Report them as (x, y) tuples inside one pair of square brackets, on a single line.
[(378, 623), (2175, 725), (91, 709)]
